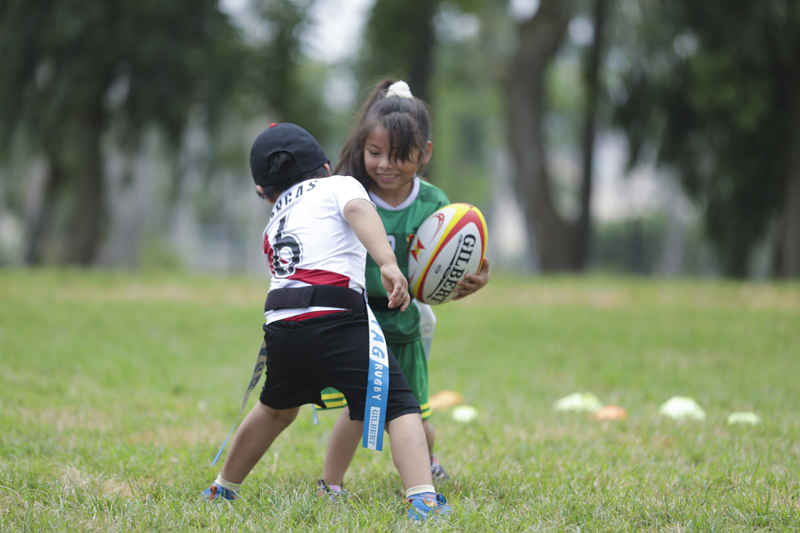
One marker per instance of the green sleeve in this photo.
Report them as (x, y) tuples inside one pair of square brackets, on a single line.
[(400, 227)]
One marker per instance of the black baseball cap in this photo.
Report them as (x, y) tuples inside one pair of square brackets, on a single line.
[(304, 150)]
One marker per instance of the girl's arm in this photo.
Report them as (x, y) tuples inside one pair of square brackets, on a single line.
[(368, 227)]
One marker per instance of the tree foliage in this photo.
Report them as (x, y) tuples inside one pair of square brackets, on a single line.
[(400, 41), (715, 87), (280, 78), (73, 69)]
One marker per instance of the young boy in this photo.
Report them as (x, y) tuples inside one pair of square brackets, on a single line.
[(317, 332)]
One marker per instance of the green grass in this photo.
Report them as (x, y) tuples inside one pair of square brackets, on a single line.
[(117, 390)]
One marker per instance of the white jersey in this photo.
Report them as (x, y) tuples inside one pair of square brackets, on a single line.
[(309, 242)]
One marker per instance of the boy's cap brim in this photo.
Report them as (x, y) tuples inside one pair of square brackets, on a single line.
[(305, 151)]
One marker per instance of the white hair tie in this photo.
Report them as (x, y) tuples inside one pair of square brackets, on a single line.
[(399, 89)]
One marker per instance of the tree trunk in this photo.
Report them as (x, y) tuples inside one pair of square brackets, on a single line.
[(89, 205), (787, 263), (40, 212), (539, 39), (584, 229), (421, 63), (787, 252)]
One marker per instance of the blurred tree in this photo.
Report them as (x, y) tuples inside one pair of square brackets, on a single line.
[(469, 122), (400, 41), (714, 86), (561, 244), (74, 70), (280, 77)]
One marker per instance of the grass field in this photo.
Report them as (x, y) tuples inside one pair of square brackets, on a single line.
[(117, 390)]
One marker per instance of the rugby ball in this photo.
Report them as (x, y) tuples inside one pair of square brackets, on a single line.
[(450, 244)]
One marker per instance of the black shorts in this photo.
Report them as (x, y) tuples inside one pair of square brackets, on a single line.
[(307, 356)]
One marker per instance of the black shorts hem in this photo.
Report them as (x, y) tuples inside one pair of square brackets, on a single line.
[(397, 413), (288, 403)]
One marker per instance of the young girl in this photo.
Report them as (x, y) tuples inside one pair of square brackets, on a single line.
[(387, 152)]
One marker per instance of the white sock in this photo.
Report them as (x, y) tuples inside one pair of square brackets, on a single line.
[(235, 487), (419, 489)]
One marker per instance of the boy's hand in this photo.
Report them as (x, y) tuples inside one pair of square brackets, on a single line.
[(368, 227), (396, 286), (473, 282)]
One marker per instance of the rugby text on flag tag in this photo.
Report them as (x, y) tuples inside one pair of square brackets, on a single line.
[(377, 386)]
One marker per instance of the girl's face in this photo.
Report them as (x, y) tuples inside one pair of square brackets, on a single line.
[(391, 179)]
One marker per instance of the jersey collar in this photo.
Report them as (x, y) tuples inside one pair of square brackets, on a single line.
[(407, 202)]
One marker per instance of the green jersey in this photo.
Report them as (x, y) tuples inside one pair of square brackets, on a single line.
[(401, 223)]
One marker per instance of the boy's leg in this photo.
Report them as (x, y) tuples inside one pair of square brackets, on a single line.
[(414, 364), (346, 434), (258, 431), (347, 371), (410, 450), (342, 446), (410, 455), (404, 436)]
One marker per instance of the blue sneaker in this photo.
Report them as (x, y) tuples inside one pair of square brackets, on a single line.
[(425, 506), (216, 493)]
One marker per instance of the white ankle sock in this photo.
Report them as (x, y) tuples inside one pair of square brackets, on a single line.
[(235, 487), (419, 489)]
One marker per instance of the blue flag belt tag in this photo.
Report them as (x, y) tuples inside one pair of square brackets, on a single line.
[(261, 363), (377, 386)]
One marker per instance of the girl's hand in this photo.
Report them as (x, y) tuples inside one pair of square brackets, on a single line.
[(473, 282)]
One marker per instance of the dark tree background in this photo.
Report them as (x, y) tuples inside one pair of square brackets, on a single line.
[(714, 86), (72, 69), (276, 79), (711, 88)]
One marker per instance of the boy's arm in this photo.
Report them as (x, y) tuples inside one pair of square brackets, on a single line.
[(368, 227)]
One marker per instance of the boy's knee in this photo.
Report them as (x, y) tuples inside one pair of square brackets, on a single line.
[(409, 419), (280, 416)]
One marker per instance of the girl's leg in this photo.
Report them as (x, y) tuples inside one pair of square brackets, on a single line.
[(342, 446), (410, 450), (258, 431), (430, 436)]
